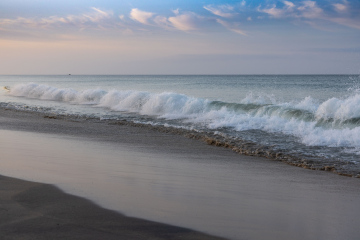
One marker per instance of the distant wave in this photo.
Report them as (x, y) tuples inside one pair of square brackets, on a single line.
[(334, 122)]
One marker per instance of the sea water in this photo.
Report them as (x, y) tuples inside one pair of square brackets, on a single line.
[(312, 118)]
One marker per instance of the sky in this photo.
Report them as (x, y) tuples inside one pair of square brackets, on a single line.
[(179, 37)]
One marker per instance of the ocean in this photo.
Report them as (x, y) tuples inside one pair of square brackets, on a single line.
[(312, 121)]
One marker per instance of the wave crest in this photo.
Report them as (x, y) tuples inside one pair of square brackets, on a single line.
[(334, 122)]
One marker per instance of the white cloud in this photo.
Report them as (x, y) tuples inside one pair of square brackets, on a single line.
[(90, 19), (184, 22), (163, 22), (176, 11), (279, 12), (274, 12), (187, 21), (141, 16), (309, 9), (96, 16), (101, 12), (225, 11), (231, 26), (341, 7), (289, 4), (305, 11)]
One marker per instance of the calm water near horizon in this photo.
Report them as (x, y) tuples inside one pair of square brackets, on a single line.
[(311, 117)]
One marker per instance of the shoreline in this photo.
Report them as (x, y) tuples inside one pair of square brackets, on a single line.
[(32, 210), (238, 146), (259, 198)]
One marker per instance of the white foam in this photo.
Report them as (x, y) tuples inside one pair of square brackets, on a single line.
[(268, 117), (340, 109), (308, 104)]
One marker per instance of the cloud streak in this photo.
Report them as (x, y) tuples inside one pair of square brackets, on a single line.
[(184, 22), (225, 11), (219, 18), (307, 9), (310, 11), (93, 18), (341, 7), (141, 16), (231, 26)]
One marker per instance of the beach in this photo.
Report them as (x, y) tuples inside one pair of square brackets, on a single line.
[(39, 211), (266, 116), (233, 120), (32, 210), (175, 180)]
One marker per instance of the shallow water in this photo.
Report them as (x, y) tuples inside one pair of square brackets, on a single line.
[(309, 118), (217, 192)]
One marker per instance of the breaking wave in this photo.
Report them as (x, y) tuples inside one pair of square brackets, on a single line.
[(333, 123)]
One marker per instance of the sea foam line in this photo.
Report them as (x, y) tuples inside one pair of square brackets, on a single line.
[(314, 123)]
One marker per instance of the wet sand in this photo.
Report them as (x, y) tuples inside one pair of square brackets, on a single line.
[(40, 211), (254, 198)]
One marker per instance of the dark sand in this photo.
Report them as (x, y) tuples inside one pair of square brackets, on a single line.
[(41, 211), (31, 210), (284, 203)]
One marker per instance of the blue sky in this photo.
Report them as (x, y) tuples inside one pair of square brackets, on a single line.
[(179, 37)]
